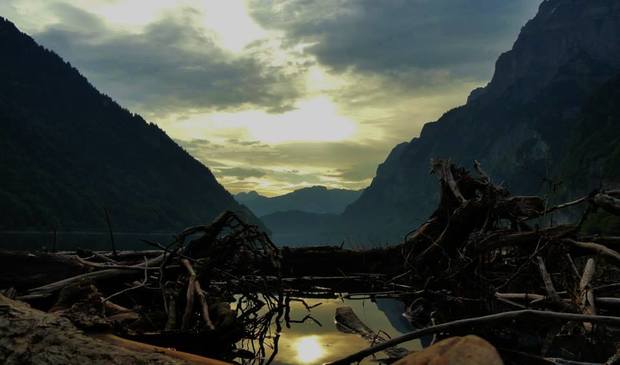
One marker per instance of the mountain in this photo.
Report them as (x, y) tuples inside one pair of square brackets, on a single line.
[(68, 152), (315, 199), (523, 126), (593, 160)]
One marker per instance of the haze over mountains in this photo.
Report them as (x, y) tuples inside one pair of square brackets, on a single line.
[(315, 199), (69, 152), (303, 217)]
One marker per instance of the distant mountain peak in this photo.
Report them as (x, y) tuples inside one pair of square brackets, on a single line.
[(249, 195), (312, 199)]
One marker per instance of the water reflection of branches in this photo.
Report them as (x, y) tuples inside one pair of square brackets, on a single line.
[(263, 316)]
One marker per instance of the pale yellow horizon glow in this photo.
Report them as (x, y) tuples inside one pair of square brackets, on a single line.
[(311, 120)]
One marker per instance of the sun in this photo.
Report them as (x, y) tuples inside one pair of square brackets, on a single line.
[(309, 349)]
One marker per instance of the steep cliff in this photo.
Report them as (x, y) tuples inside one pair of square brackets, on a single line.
[(520, 126)]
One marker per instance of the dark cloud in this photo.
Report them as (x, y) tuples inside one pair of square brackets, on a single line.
[(392, 37), (172, 65), (241, 173), (246, 143)]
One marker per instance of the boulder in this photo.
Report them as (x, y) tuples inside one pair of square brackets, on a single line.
[(468, 350)]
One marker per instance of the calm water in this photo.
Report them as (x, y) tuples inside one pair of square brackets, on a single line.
[(309, 343), (83, 240)]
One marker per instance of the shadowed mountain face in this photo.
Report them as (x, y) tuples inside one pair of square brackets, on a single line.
[(316, 199), (68, 152), (522, 127)]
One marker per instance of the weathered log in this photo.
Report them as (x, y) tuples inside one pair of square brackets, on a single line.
[(595, 247), (189, 296), (348, 321), (549, 287), (96, 275), (196, 288), (443, 169), (29, 336), (586, 294)]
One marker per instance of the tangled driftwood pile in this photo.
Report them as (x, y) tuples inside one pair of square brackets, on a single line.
[(175, 296), (486, 263), (490, 263), (216, 290)]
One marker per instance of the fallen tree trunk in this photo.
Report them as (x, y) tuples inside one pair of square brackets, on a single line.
[(29, 336)]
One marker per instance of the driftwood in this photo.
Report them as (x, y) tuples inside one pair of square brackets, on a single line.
[(155, 296), (480, 255), (347, 321), (586, 294), (468, 322), (29, 336), (495, 251)]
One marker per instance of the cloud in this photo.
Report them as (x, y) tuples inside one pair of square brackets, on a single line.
[(391, 37), (240, 172), (289, 166), (173, 64), (380, 69), (356, 172)]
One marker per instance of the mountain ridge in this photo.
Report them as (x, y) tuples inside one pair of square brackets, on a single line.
[(314, 199), (70, 152), (519, 125)]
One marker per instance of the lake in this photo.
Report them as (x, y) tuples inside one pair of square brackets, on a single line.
[(317, 342)]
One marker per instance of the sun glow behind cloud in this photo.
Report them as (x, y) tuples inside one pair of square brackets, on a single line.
[(314, 120), (229, 20), (311, 120), (280, 94)]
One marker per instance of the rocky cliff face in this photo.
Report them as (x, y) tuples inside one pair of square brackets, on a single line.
[(520, 126), (561, 31)]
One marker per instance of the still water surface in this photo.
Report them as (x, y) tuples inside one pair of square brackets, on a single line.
[(308, 343)]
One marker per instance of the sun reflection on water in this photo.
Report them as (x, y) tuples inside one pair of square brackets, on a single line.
[(309, 349)]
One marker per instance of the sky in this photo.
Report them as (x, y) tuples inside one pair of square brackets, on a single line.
[(275, 95)]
